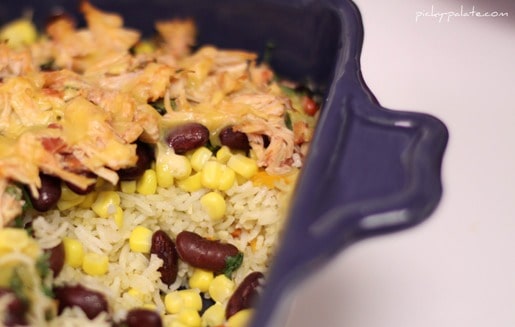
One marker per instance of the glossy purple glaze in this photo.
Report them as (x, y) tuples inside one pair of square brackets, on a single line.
[(370, 170)]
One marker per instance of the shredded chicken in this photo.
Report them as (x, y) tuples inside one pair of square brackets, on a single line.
[(87, 108)]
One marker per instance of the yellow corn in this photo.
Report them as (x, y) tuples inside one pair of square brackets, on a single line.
[(214, 204), (105, 203), (201, 279), (118, 217), (180, 166), (88, 201), (191, 183), (95, 264), (242, 165), (140, 239), (149, 306), (210, 174), (173, 302), (18, 240), (223, 154), (164, 174), (189, 317), (69, 198), (73, 252), (147, 183), (221, 288), (135, 293), (240, 318), (143, 47), (199, 158), (176, 323), (227, 178), (177, 301), (19, 32), (128, 187), (213, 316)]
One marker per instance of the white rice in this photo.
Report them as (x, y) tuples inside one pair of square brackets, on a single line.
[(255, 212)]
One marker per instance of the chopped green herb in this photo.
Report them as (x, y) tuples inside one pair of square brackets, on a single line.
[(43, 269), (233, 263), (213, 148), (49, 65), (16, 285), (173, 103), (159, 105), (287, 121)]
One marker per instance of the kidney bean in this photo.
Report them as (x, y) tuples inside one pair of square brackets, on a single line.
[(56, 258), (187, 137), (164, 248), (16, 311), (145, 155), (143, 317), (49, 193), (234, 139), (82, 191), (203, 253), (244, 295), (89, 301)]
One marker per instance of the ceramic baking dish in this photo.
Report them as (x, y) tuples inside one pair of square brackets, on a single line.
[(370, 170)]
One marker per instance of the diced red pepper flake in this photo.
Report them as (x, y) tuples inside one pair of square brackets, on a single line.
[(310, 106)]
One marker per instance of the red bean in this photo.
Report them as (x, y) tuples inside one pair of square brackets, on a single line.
[(89, 301), (164, 248), (16, 310), (145, 155), (56, 258), (203, 253), (143, 318), (234, 139), (187, 137), (49, 193), (244, 295)]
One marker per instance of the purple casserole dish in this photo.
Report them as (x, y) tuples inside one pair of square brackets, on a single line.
[(370, 170)]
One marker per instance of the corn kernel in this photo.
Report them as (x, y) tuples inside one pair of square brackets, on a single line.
[(210, 174), (180, 166), (105, 203), (73, 252), (199, 158), (221, 288), (201, 279), (227, 178), (190, 317), (164, 174), (177, 301), (88, 201), (242, 165), (214, 204), (223, 154), (135, 293), (213, 316), (190, 184), (118, 217), (240, 318), (144, 47), (19, 32), (67, 194), (67, 204), (173, 302), (176, 323), (17, 239), (140, 239), (95, 264), (128, 187), (149, 306), (147, 183)]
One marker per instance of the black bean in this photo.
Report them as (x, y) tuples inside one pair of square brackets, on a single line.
[(82, 191), (164, 248), (234, 139), (187, 137), (49, 193), (145, 155), (56, 258), (89, 301), (203, 253), (16, 310), (143, 318), (244, 295)]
